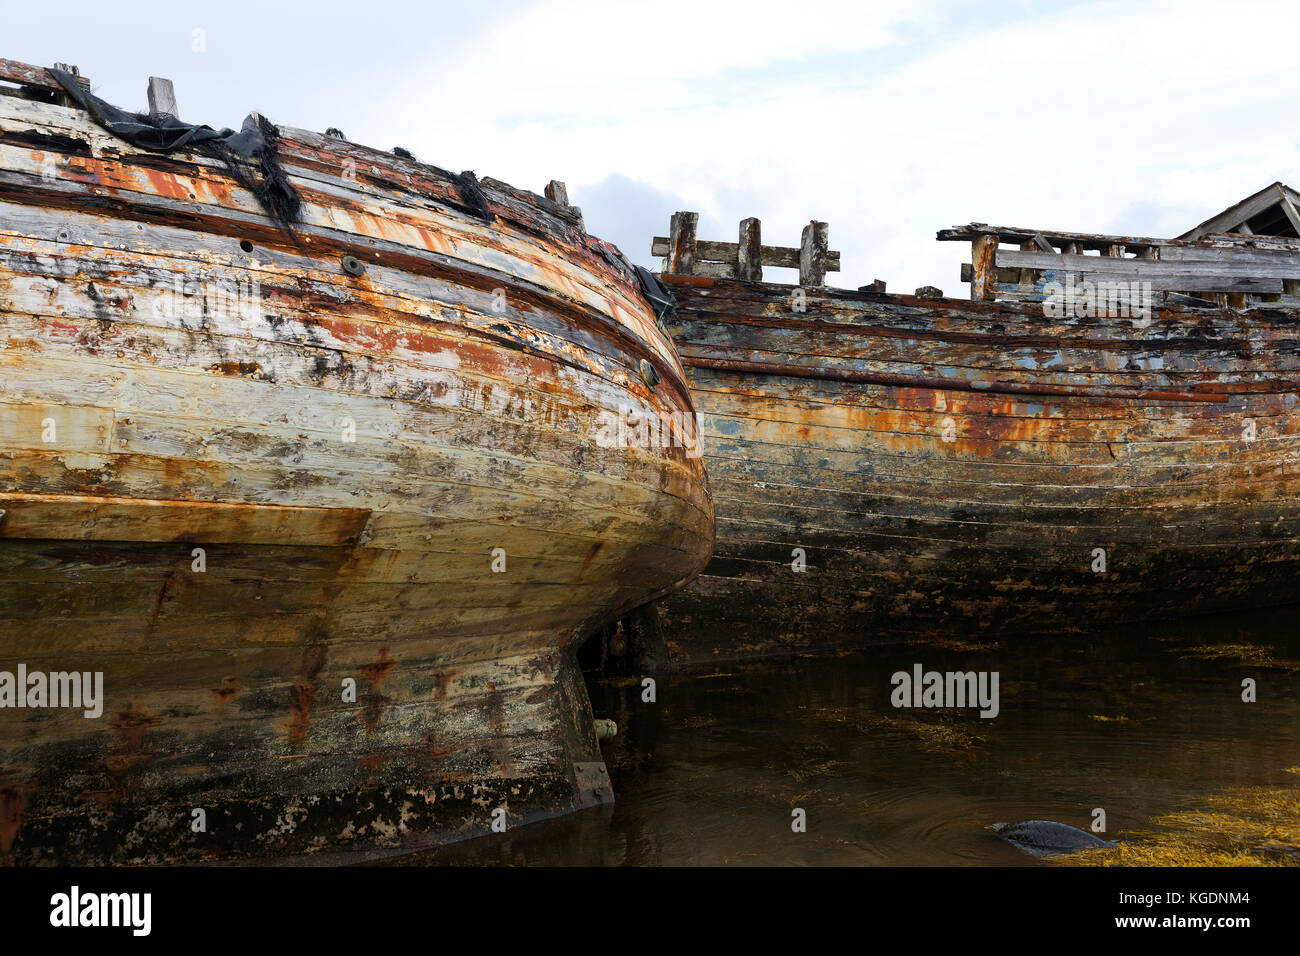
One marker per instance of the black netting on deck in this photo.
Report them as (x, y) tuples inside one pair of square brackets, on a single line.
[(250, 154)]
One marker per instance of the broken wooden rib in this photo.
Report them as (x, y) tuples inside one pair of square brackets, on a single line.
[(889, 467), (329, 510)]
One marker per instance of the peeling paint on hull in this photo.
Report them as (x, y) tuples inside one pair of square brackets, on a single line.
[(347, 451), (954, 468)]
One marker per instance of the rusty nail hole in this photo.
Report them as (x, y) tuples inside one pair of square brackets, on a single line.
[(246, 245), (353, 266), (649, 375)]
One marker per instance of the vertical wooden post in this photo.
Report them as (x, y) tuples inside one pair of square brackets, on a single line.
[(162, 99), (813, 247), (984, 273), (1116, 250), (749, 253), (1027, 276), (557, 192), (681, 239)]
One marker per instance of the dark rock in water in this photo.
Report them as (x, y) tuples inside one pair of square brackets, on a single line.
[(1047, 838)]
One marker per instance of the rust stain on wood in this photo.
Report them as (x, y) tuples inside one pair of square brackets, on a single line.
[(12, 803), (130, 726), (374, 674), (229, 688), (303, 692)]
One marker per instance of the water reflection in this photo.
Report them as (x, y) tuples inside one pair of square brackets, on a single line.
[(1139, 722)]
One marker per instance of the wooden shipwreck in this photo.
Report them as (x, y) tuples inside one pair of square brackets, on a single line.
[(1104, 432), (326, 503)]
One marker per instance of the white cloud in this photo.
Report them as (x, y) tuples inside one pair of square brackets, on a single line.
[(886, 120)]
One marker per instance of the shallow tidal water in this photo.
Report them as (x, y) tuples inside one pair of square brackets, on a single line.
[(1141, 722)]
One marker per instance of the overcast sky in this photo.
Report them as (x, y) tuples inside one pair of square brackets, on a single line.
[(887, 120)]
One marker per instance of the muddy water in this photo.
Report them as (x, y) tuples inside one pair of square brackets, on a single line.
[(1140, 723)]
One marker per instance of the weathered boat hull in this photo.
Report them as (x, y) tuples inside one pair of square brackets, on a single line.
[(331, 539), (951, 468)]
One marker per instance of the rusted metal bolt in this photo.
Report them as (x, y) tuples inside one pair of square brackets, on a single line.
[(605, 729), (649, 375), (353, 266), (618, 641)]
